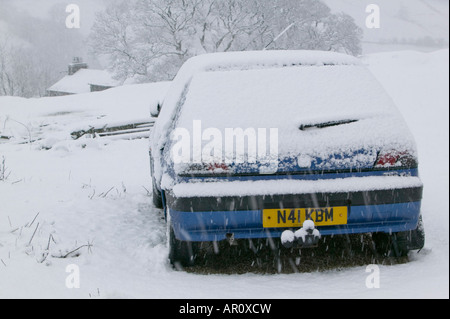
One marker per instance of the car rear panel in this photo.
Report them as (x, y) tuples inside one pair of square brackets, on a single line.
[(388, 204)]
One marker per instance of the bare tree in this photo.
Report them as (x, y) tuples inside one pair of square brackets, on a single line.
[(230, 25), (114, 35), (16, 74), (34, 55), (310, 25), (151, 39)]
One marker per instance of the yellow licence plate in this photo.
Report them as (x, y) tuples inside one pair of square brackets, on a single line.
[(294, 217)]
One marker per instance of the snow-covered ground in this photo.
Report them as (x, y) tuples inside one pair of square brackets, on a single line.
[(85, 202)]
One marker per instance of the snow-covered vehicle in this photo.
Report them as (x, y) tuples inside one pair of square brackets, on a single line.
[(253, 144)]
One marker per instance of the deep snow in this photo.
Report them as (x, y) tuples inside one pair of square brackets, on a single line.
[(92, 193)]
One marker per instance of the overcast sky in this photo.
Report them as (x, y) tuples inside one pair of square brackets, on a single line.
[(41, 9), (400, 19)]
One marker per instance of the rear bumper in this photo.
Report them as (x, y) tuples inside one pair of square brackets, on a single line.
[(214, 218)]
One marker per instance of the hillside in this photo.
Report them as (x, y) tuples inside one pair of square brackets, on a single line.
[(405, 24)]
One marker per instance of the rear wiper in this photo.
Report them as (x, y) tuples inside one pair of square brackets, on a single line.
[(326, 124)]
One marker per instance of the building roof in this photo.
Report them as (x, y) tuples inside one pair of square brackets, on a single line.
[(81, 81)]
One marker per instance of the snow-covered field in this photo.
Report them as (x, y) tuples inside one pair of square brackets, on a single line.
[(85, 202)]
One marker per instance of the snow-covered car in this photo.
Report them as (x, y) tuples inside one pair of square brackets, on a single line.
[(291, 145)]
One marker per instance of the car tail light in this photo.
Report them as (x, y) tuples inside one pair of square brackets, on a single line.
[(206, 169), (217, 167), (395, 159)]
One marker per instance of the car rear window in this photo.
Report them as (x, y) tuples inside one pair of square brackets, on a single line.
[(289, 98)]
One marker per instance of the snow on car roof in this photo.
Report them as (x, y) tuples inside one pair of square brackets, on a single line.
[(262, 59)]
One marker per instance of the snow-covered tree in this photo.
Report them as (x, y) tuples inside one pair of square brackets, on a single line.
[(19, 71), (150, 39)]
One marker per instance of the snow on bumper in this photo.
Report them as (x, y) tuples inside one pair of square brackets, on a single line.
[(213, 211)]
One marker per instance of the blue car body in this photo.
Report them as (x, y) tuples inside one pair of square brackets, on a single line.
[(377, 187), (216, 218)]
